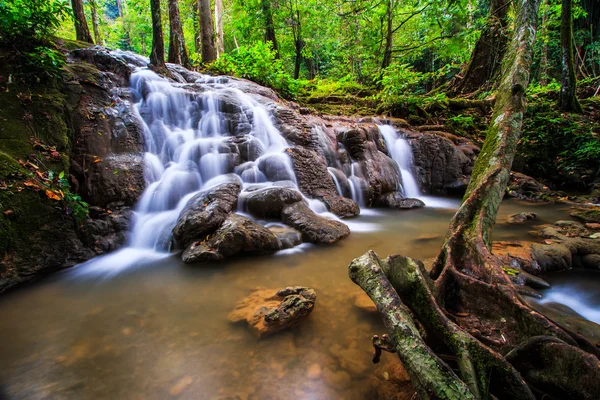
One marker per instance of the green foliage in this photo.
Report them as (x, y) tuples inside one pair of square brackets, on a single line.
[(259, 64), (26, 27), (462, 124), (58, 185)]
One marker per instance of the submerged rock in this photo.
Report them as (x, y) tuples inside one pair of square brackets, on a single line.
[(590, 216), (205, 212), (521, 217), (288, 237), (269, 202), (268, 311), (314, 228), (238, 234), (396, 200)]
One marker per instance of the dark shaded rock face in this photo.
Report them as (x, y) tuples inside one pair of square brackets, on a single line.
[(525, 187), (268, 203), (205, 212), (441, 166), (237, 235), (314, 228), (269, 311)]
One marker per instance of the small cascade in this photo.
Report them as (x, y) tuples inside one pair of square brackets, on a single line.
[(189, 148), (356, 183), (401, 152)]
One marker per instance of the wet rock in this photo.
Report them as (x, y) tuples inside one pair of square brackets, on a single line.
[(521, 217), (238, 234), (268, 203), (276, 167), (396, 200), (314, 228), (391, 382), (552, 257), (590, 216), (268, 311), (205, 212), (591, 261), (288, 237), (525, 187), (315, 181)]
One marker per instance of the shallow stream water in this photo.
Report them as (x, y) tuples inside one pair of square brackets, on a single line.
[(160, 330)]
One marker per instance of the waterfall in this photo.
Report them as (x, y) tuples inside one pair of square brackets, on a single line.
[(189, 148), (401, 152)]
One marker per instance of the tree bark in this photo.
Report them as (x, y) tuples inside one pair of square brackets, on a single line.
[(196, 23), (389, 36), (94, 9), (568, 90), (209, 52), (487, 56), (177, 52), (220, 45), (157, 55), (269, 26), (81, 27)]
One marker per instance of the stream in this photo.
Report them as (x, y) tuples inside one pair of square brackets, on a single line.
[(160, 330)]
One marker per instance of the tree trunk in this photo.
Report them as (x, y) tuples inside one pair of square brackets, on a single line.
[(568, 90), (389, 36), (94, 8), (472, 307), (197, 34), (157, 55), (177, 52), (486, 59), (209, 52), (299, 44), (120, 7), (219, 27), (269, 26), (81, 27)]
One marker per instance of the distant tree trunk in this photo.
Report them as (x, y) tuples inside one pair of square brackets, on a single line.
[(568, 96), (487, 56), (94, 8), (157, 55), (269, 26), (219, 27), (543, 73), (389, 36), (297, 35), (177, 52), (209, 52), (120, 7), (81, 27), (197, 34)]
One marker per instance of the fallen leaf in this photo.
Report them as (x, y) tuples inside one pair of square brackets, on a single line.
[(52, 195)]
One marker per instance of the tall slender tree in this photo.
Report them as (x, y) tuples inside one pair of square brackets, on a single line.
[(219, 27), (209, 52), (177, 51), (568, 90), (81, 27), (94, 11), (157, 55), (196, 24), (269, 25)]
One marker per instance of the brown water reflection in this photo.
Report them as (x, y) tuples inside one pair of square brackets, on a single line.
[(161, 331)]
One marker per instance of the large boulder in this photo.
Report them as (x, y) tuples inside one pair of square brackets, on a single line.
[(268, 311), (314, 228), (238, 234), (268, 202), (396, 200), (524, 187), (205, 212)]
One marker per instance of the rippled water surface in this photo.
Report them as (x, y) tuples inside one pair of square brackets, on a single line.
[(160, 330)]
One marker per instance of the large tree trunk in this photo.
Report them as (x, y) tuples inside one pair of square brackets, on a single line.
[(196, 23), (219, 27), (94, 9), (568, 97), (487, 56), (177, 52), (389, 36), (209, 52), (157, 55), (81, 27), (269, 26), (471, 307)]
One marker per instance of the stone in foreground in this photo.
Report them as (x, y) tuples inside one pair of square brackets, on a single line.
[(268, 311), (238, 234)]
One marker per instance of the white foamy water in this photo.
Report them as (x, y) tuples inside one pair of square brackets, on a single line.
[(578, 300)]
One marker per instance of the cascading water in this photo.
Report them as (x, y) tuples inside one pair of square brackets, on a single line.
[(401, 153)]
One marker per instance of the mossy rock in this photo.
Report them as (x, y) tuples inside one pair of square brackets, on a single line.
[(587, 215)]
